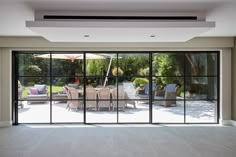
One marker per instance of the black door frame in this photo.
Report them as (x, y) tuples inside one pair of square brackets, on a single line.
[(15, 77)]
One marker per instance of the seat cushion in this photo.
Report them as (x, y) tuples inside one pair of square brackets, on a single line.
[(60, 96), (170, 87), (33, 91), (73, 85), (38, 96), (143, 96), (42, 89), (146, 88)]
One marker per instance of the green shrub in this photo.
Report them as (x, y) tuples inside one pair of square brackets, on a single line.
[(140, 82), (30, 70), (180, 91), (168, 65), (132, 79), (60, 84), (30, 83), (144, 72)]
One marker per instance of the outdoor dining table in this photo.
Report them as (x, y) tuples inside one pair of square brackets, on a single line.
[(81, 92)]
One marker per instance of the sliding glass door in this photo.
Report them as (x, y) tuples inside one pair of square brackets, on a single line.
[(100, 83), (187, 87), (116, 87), (133, 77), (67, 81), (33, 105)]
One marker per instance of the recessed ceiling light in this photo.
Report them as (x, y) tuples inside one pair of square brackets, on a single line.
[(152, 36), (86, 36)]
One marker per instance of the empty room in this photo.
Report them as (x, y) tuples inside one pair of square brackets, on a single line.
[(117, 78)]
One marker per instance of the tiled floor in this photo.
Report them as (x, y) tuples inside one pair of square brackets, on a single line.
[(117, 141)]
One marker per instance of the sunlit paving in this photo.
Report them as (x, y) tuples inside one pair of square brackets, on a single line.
[(39, 113)]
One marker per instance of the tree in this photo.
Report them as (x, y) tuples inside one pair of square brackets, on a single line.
[(167, 66)]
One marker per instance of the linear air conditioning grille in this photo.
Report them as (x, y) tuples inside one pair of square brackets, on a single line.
[(71, 17)]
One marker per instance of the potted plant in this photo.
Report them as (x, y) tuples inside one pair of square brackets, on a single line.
[(117, 72)]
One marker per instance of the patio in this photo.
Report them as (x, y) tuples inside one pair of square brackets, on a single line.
[(196, 112)]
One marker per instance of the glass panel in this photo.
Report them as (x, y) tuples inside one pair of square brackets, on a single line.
[(68, 111), (60, 90), (201, 64), (33, 64), (132, 64), (132, 103), (99, 107), (100, 111), (133, 111), (33, 88), (168, 64), (100, 64), (99, 82), (34, 111), (163, 114), (95, 84), (201, 88), (201, 111), (67, 64), (136, 88), (168, 88)]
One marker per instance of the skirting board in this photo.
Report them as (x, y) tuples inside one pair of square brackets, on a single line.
[(5, 123), (223, 122), (228, 122)]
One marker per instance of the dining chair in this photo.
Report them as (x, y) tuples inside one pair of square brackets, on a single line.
[(74, 101), (104, 97), (118, 97), (91, 98)]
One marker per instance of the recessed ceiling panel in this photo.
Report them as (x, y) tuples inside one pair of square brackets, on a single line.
[(119, 31)]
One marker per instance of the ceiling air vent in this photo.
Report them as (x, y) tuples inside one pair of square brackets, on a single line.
[(73, 17)]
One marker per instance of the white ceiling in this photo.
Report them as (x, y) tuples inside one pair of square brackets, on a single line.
[(117, 31), (14, 13)]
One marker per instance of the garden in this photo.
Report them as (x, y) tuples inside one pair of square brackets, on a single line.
[(167, 68)]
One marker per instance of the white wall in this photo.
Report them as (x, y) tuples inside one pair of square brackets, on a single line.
[(234, 82), (1, 86), (225, 84), (5, 87), (224, 45)]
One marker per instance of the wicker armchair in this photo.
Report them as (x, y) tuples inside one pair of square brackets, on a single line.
[(145, 92), (169, 96)]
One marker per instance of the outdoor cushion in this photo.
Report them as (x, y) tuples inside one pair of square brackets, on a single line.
[(33, 91), (74, 85), (38, 96), (42, 89), (170, 88), (146, 88)]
